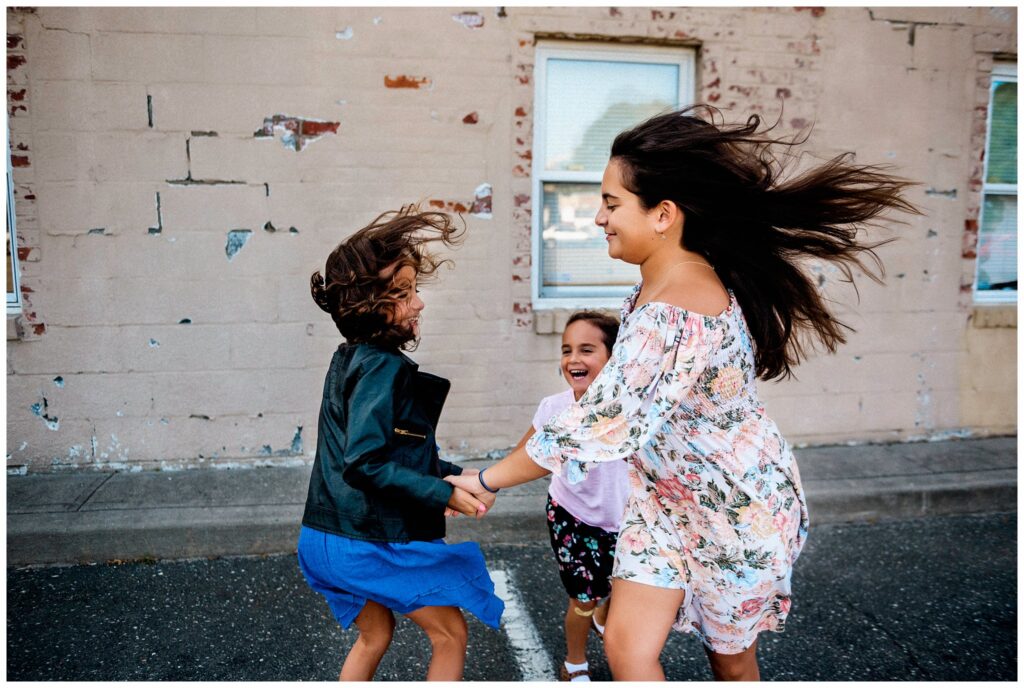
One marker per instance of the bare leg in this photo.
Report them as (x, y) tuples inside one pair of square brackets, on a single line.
[(446, 628), (577, 630), (601, 613), (376, 626), (638, 624), (738, 667)]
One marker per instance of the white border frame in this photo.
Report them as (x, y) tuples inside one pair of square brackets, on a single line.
[(1001, 71), (683, 56)]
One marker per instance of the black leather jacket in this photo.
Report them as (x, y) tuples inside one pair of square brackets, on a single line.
[(377, 475)]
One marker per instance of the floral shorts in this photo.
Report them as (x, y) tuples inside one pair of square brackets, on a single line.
[(584, 553)]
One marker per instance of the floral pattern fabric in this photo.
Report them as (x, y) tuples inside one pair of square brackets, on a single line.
[(584, 554), (715, 507)]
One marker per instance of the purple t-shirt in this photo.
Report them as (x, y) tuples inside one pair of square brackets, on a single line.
[(599, 500)]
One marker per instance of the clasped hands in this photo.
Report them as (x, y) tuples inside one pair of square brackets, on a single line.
[(469, 497)]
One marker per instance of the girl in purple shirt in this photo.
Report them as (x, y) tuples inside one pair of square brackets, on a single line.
[(583, 519)]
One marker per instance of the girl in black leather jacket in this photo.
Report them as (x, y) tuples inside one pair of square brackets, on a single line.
[(371, 539)]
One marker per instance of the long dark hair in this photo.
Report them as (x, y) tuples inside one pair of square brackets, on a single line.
[(358, 288), (754, 227)]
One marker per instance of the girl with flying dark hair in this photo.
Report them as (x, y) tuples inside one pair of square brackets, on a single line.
[(716, 516), (372, 531)]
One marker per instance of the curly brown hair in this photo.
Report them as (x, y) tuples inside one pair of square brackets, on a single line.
[(358, 287)]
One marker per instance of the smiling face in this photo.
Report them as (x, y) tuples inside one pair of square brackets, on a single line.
[(583, 355), (628, 228), (407, 311)]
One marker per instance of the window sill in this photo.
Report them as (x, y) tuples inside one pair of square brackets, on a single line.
[(994, 316), (552, 320)]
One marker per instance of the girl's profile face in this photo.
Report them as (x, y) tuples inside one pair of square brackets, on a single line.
[(583, 355), (628, 228), (407, 310)]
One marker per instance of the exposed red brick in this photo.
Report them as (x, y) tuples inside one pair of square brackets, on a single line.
[(521, 200), (715, 84), (15, 61), (521, 308), (16, 95), (971, 226), (614, 12), (471, 118), (14, 40), (19, 161), (526, 155), (517, 278), (27, 290), (681, 34), (714, 97), (520, 111), (520, 171), (523, 79), (15, 109), (815, 11), (310, 128), (39, 329), (783, 93), (434, 203), (520, 142), (523, 43), (403, 81), (21, 147)]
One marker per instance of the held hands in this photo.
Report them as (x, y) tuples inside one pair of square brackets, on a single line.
[(471, 492)]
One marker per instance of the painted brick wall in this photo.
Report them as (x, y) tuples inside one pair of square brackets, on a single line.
[(180, 172)]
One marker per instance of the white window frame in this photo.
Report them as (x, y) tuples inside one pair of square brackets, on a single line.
[(1004, 71), (682, 56), (13, 300)]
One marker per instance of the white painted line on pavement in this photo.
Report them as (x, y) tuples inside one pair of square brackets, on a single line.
[(534, 661)]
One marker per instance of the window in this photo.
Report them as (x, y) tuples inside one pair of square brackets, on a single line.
[(13, 289), (996, 281), (585, 95)]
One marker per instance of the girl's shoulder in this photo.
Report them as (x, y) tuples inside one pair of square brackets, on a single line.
[(552, 406)]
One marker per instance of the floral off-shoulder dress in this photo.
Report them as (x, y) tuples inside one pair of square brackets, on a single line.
[(715, 507)]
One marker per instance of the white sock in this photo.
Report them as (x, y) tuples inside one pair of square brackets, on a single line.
[(599, 627), (577, 667)]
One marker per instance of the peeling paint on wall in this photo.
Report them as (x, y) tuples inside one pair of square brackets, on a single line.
[(471, 20), (345, 34), (297, 441), (482, 200), (404, 81), (448, 206), (471, 118), (297, 132), (237, 238), (154, 344), (59, 381), (40, 409)]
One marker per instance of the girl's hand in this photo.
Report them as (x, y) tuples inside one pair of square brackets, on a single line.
[(465, 503), (468, 482)]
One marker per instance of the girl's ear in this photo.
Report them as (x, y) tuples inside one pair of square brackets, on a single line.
[(668, 214)]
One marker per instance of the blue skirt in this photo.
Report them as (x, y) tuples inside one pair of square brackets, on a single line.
[(402, 576)]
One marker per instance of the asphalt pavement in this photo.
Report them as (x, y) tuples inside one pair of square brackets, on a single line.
[(922, 599)]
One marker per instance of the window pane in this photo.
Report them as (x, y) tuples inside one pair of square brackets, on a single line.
[(997, 244), (588, 102), (575, 253), (1002, 143)]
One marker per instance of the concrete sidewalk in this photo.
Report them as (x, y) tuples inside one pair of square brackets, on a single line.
[(97, 517)]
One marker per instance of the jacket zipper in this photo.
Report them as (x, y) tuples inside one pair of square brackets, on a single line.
[(400, 431)]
